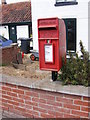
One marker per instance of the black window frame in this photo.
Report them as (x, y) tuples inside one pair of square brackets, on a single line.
[(66, 20), (66, 3)]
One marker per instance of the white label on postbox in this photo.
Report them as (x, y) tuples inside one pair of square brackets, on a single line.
[(48, 53)]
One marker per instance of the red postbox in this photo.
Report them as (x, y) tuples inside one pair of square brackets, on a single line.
[(52, 43)]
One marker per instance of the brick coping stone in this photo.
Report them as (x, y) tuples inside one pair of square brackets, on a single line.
[(46, 84)]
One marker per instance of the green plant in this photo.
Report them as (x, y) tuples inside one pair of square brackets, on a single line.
[(76, 71)]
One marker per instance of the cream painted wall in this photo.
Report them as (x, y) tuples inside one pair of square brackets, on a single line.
[(46, 9)]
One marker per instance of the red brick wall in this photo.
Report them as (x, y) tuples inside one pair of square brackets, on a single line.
[(34, 103), (8, 54)]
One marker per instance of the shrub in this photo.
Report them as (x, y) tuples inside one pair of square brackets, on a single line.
[(76, 71)]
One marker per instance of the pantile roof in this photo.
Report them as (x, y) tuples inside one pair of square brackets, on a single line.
[(16, 12)]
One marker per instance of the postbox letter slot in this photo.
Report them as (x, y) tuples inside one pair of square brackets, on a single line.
[(49, 27)]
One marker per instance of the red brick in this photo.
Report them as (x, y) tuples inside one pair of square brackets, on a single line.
[(22, 105), (56, 94), (18, 112), (45, 115), (24, 97), (47, 97), (0, 107), (82, 114), (51, 112), (28, 106), (40, 109), (86, 109), (45, 106), (72, 96), (30, 93), (79, 102), (11, 85), (4, 100), (89, 109), (4, 92), (59, 112), (27, 115), (18, 91), (18, 100), (0, 102), (64, 110), (40, 91), (1, 92), (26, 89), (59, 115), (38, 100), (12, 94), (31, 103), (13, 102), (64, 100), (86, 98), (32, 112), (7, 97), (19, 108), (5, 88), (70, 106), (71, 116), (10, 107), (54, 103), (37, 117), (22, 88)]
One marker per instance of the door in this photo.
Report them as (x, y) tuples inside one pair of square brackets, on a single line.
[(13, 33)]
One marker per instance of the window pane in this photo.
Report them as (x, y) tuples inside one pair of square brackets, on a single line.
[(71, 33)]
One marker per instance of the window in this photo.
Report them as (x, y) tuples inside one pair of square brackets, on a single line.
[(70, 34), (65, 2), (3, 39)]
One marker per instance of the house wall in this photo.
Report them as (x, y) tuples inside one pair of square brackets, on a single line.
[(4, 31), (46, 9), (25, 102), (22, 31)]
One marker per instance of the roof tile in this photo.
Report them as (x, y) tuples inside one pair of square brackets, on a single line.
[(16, 12)]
